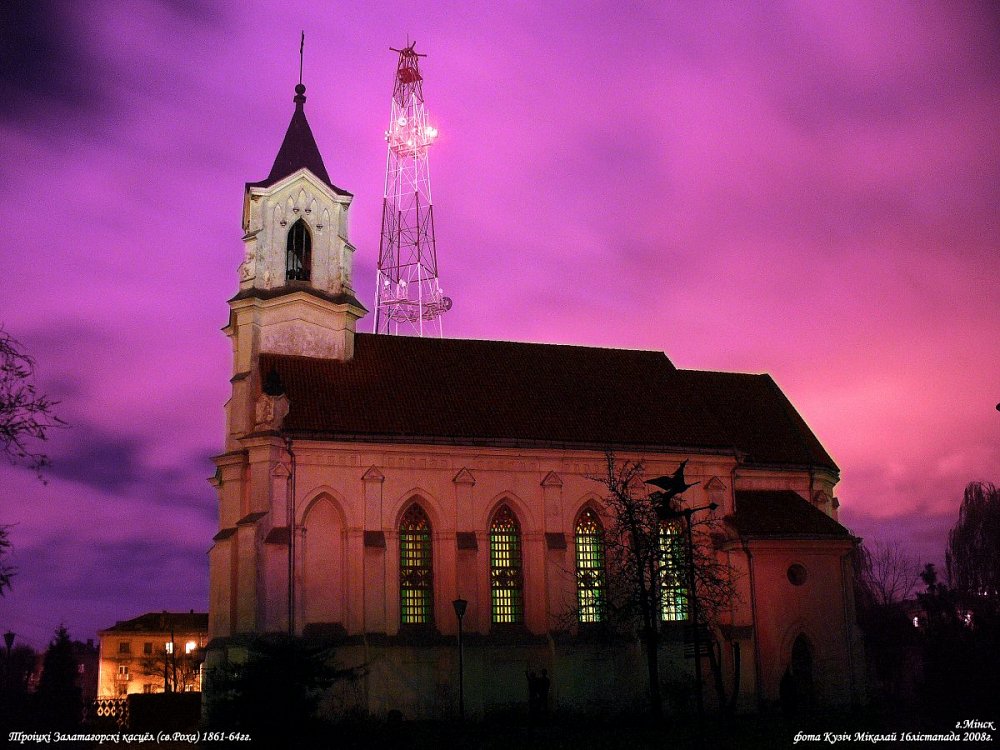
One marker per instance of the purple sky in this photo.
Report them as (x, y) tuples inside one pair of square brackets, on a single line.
[(806, 189)]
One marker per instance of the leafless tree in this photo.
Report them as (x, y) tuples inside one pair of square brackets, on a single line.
[(179, 672), (26, 416), (641, 564), (6, 571), (888, 574)]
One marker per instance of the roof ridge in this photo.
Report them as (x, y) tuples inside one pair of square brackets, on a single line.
[(725, 372), (589, 347)]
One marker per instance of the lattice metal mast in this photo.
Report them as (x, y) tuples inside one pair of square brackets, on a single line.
[(407, 292)]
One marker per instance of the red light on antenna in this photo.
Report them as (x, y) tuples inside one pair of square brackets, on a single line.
[(409, 75)]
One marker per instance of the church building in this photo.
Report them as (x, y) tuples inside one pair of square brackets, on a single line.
[(358, 502)]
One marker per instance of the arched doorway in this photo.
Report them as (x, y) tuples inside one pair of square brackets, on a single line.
[(802, 671)]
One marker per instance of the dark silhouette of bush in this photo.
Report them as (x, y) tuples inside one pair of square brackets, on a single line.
[(275, 693), (164, 712), (960, 650)]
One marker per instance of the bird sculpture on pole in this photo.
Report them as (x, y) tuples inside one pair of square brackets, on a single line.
[(670, 487)]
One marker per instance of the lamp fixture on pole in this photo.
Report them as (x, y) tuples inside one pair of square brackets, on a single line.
[(460, 606), (693, 596), (8, 638)]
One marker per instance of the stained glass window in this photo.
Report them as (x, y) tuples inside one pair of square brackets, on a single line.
[(590, 586), (506, 578), (298, 262), (673, 583), (416, 590)]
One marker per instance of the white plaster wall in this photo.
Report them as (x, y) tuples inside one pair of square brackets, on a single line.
[(269, 214)]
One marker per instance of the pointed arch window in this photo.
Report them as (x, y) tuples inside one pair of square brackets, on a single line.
[(506, 577), (673, 581), (590, 576), (298, 260), (416, 573)]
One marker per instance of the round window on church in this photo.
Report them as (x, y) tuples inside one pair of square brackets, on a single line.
[(797, 574)]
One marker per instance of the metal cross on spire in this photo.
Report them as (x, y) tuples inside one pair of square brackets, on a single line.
[(302, 47)]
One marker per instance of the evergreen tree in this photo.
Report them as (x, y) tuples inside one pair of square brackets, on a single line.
[(14, 709), (58, 697)]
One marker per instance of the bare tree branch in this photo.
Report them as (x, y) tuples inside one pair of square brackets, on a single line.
[(887, 572), (26, 416), (641, 565), (6, 571), (179, 672)]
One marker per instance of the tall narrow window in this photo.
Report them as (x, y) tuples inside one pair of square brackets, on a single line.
[(299, 258), (673, 583), (590, 586), (416, 577), (506, 579)]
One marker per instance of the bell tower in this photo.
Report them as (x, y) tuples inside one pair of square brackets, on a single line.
[(295, 293)]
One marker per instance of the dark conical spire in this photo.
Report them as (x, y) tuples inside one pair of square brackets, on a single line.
[(298, 149)]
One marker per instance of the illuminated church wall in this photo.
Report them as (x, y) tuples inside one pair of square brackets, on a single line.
[(350, 499)]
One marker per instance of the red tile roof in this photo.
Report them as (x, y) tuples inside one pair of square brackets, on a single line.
[(758, 418), (488, 391), (782, 514), (504, 393), (162, 622)]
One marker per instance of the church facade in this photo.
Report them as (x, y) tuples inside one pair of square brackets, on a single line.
[(357, 501)]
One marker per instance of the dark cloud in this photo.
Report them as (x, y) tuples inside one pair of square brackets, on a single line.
[(926, 490), (54, 68), (907, 68), (198, 11), (59, 346), (43, 61), (115, 462), (105, 460), (163, 565), (64, 387), (89, 585), (125, 568), (923, 536)]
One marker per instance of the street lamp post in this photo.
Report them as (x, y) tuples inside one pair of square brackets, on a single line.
[(688, 512), (693, 597), (290, 513), (460, 606), (8, 638)]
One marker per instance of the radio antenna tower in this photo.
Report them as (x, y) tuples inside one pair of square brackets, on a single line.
[(408, 298)]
